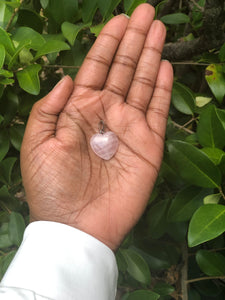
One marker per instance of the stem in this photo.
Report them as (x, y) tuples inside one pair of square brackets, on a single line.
[(182, 127), (197, 5), (4, 207), (205, 278), (60, 66), (13, 16), (184, 274), (221, 192), (189, 122), (189, 63)]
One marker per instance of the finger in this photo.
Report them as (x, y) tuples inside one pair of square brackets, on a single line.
[(145, 76), (127, 56), (158, 110), (44, 115), (94, 69)]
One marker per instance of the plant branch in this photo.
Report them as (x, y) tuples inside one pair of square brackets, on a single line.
[(189, 63), (184, 273), (4, 207), (221, 193), (197, 5), (182, 127), (212, 36), (205, 278), (60, 66), (13, 16)]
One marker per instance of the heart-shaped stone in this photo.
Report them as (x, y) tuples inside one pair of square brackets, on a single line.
[(105, 145)]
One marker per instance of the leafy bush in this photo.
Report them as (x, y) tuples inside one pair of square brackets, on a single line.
[(178, 246)]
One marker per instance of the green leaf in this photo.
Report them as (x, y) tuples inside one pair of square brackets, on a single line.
[(176, 18), (183, 99), (4, 194), (113, 5), (211, 263), (6, 73), (6, 81), (5, 242), (70, 31), (185, 203), (207, 223), (210, 130), (193, 165), (89, 8), (212, 199), (13, 4), (104, 7), (97, 29), (5, 14), (44, 3), (156, 219), (6, 42), (137, 266), (6, 261), (60, 11), (6, 167), (22, 45), (29, 18), (216, 80), (214, 154), (16, 228), (74, 57), (120, 260), (222, 53), (130, 5), (29, 80), (25, 57), (26, 33), (9, 106), (163, 289), (4, 143), (202, 101), (178, 233), (51, 47), (2, 55), (16, 133), (221, 116), (143, 295)]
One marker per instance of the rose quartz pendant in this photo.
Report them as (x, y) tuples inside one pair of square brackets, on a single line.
[(104, 144)]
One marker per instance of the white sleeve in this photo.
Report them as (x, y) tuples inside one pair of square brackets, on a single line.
[(58, 262)]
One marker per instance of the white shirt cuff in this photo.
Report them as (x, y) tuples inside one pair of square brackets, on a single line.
[(58, 262)]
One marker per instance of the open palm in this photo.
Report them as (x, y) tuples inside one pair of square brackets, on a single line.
[(124, 83)]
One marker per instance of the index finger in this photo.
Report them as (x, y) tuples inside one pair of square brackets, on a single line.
[(94, 69)]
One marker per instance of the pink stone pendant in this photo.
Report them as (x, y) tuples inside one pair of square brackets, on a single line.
[(104, 144)]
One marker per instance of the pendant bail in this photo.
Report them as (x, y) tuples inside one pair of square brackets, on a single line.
[(101, 127)]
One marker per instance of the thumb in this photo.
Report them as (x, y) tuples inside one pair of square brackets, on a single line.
[(44, 115)]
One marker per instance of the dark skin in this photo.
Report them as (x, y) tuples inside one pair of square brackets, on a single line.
[(123, 82)]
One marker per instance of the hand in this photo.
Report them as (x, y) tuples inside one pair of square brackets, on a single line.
[(123, 82)]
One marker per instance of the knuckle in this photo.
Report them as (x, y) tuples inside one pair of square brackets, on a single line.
[(99, 59), (125, 60), (145, 81), (136, 103)]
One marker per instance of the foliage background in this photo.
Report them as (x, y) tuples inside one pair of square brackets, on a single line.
[(177, 250)]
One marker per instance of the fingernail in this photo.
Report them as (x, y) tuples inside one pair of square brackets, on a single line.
[(125, 16)]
